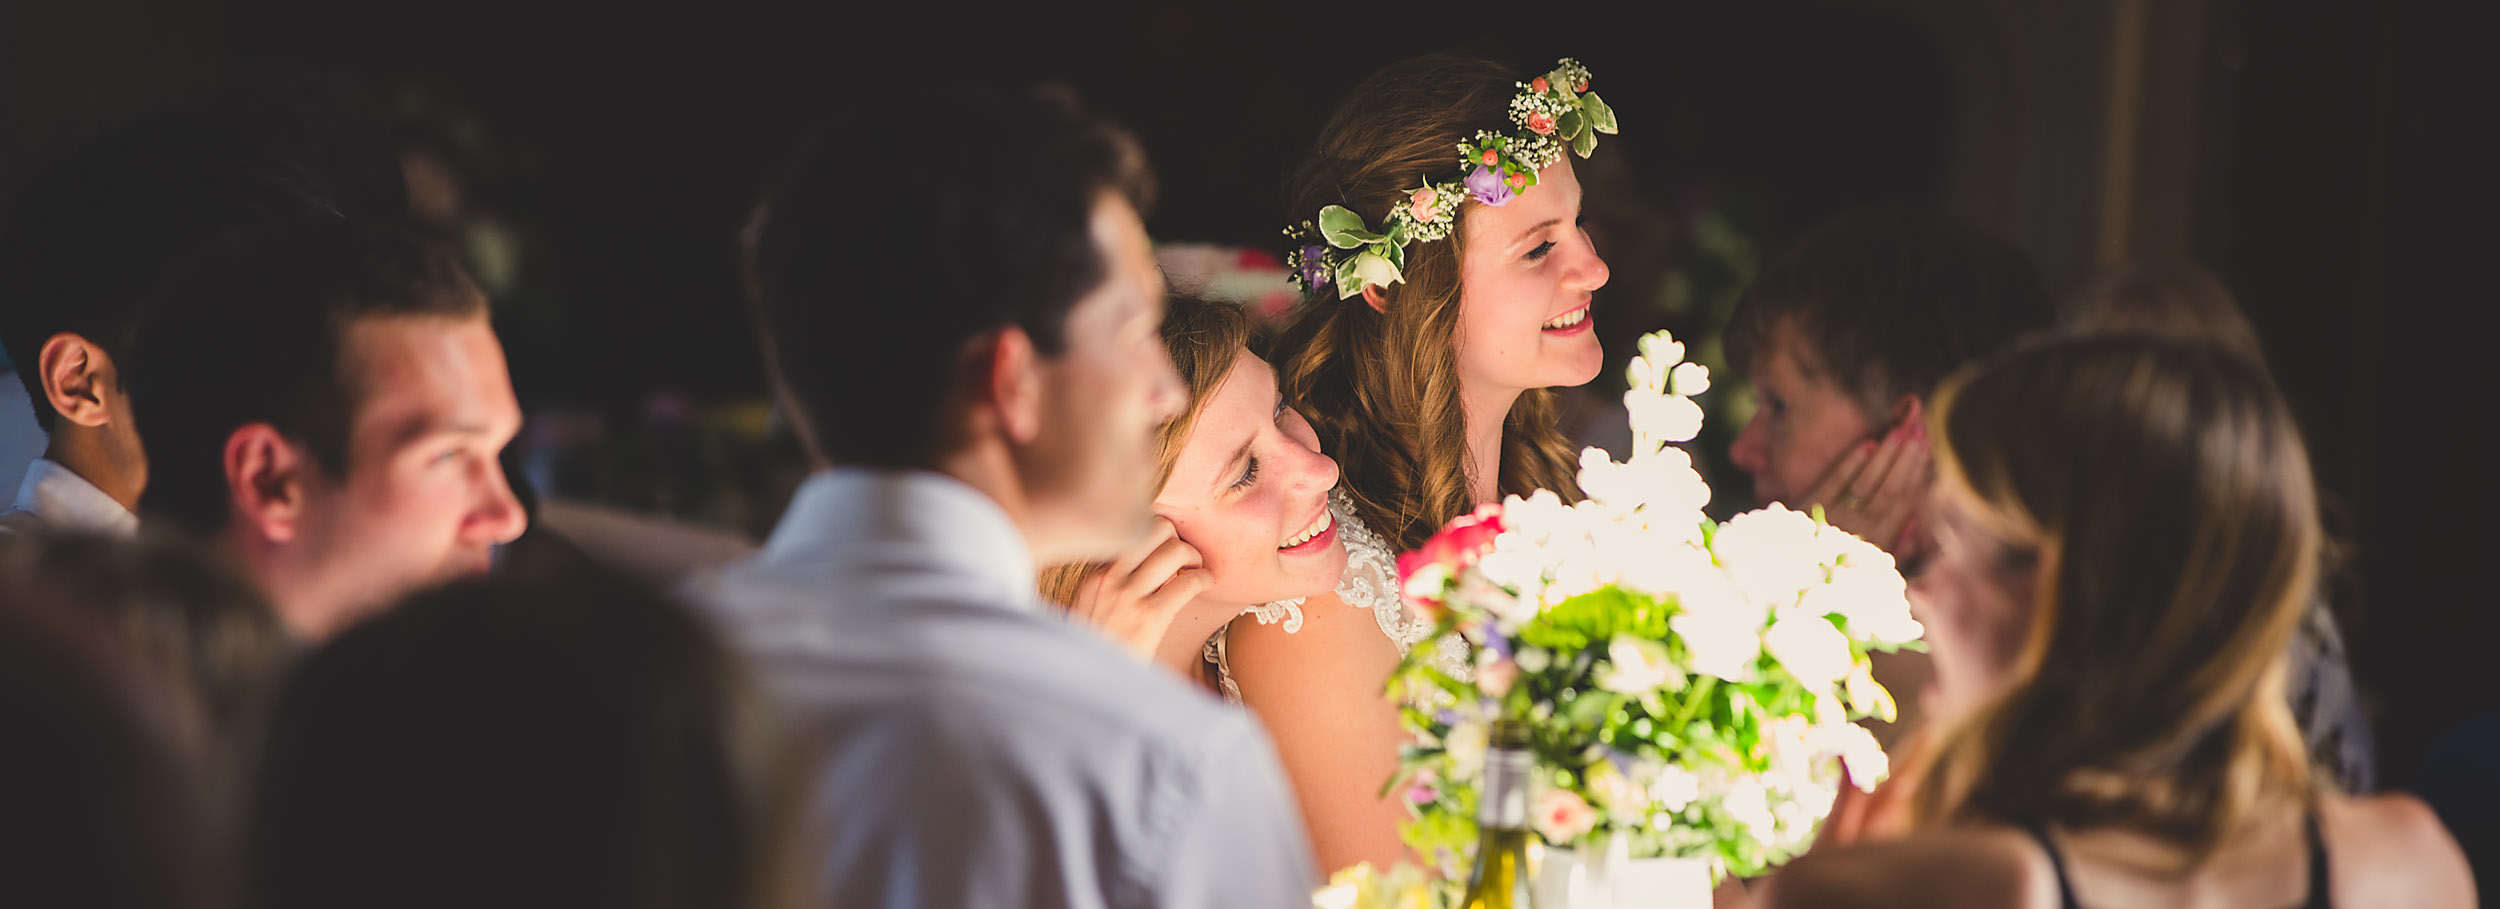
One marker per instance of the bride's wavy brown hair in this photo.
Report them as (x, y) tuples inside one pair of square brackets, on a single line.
[(1380, 387), (2159, 496)]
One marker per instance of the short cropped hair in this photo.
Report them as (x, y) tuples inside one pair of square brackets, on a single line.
[(84, 243), (252, 330), (871, 264), (1887, 302)]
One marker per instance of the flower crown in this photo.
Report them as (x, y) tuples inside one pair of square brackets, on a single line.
[(1549, 112)]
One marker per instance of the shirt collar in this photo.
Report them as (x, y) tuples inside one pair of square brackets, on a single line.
[(66, 501), (910, 519)]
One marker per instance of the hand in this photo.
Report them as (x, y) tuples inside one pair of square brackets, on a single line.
[(1877, 489), (1135, 597)]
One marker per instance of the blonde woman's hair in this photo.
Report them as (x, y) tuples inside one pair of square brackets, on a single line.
[(1205, 339), (2159, 496), (1380, 387)]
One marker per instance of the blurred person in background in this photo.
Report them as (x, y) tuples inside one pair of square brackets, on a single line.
[(81, 249), (550, 742), (2127, 540), (98, 807), (967, 342), (328, 403)]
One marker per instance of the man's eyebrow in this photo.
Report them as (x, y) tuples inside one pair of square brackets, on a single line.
[(418, 430)]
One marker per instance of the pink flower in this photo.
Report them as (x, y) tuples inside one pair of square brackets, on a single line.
[(1490, 157), (1541, 122), (1494, 676), (1537, 84), (1562, 816), (1518, 182), (1459, 544), (1420, 204), (1424, 787)]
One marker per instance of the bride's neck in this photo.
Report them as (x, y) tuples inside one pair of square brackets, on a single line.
[(1485, 410)]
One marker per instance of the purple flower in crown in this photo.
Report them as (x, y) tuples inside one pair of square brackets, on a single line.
[(1487, 186), (1314, 267)]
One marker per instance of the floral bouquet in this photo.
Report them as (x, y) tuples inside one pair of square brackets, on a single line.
[(1686, 684)]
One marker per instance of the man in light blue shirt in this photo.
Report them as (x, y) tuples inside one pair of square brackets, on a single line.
[(965, 333)]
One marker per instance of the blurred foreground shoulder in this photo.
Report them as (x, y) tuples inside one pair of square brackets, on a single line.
[(2392, 850), (1978, 868)]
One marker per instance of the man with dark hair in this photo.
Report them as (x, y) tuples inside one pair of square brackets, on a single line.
[(326, 402), (965, 332), (82, 247), (1845, 336)]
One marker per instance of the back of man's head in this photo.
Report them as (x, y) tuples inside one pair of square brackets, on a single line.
[(1885, 303), (873, 264), (87, 240), (251, 330)]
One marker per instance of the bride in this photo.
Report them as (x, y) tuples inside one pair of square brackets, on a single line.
[(1427, 382)]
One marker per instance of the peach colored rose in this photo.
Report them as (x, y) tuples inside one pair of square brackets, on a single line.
[(1537, 84), (1420, 204), (1541, 123)]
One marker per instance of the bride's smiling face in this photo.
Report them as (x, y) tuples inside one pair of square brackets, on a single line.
[(1249, 491), (1525, 282)]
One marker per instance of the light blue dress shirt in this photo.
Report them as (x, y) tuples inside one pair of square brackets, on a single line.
[(56, 498), (977, 749)]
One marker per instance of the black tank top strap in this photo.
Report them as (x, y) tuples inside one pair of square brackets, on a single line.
[(2057, 863), (2319, 895)]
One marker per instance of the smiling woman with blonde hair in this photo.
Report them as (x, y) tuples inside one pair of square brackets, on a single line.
[(2127, 537)]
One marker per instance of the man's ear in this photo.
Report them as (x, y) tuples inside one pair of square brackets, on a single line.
[(76, 375), (1005, 372), (1371, 295), (1909, 410), (265, 481)]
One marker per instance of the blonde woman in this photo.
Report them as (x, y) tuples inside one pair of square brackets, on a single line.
[(2127, 539)]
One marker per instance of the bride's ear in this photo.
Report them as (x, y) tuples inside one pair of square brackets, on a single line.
[(1371, 295)]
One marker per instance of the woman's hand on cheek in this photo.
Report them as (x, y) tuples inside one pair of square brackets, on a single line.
[(1134, 599), (1878, 488)]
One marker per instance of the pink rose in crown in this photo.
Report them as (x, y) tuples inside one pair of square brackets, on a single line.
[(1541, 122), (1459, 544), (1537, 84), (1420, 204)]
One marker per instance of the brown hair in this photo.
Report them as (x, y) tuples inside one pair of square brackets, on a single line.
[(434, 755), (2161, 494), (1380, 387), (195, 622), (1204, 338), (1887, 302), (2164, 299)]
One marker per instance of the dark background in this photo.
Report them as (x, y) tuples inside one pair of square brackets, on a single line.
[(2330, 160)]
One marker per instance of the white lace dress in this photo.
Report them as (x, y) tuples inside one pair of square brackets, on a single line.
[(1370, 582)]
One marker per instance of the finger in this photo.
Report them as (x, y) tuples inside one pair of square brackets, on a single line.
[(1177, 592), (1827, 490), (1870, 480), (1159, 531), (1159, 567)]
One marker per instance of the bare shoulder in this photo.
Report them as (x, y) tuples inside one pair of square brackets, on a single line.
[(2387, 850), (1992, 867), (1333, 636)]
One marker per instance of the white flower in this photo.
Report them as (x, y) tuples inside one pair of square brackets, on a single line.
[(1673, 788), (1371, 268), (1859, 752), (1771, 553), (1718, 644), (1466, 744), (1667, 418), (1810, 649), (1615, 791), (1688, 379), (1635, 665), (1750, 804)]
